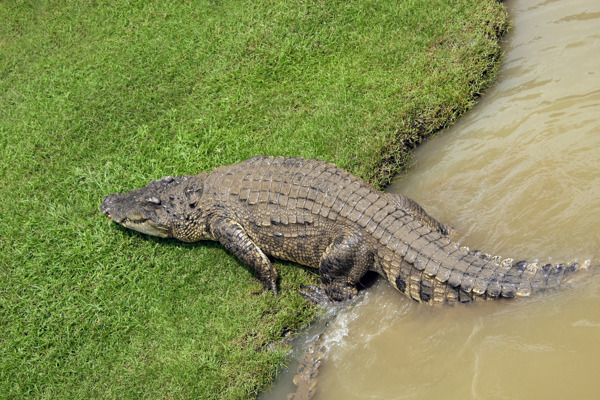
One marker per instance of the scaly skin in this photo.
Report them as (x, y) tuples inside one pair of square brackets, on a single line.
[(319, 215)]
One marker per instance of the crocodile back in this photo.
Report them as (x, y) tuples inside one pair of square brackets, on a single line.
[(283, 191)]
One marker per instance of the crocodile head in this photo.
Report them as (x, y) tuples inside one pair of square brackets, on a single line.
[(164, 208)]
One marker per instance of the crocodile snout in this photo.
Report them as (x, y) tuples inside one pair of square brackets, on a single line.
[(106, 205)]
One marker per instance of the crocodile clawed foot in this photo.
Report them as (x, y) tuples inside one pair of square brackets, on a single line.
[(274, 288), (270, 285), (315, 294)]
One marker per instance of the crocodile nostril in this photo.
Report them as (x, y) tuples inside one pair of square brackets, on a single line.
[(153, 200)]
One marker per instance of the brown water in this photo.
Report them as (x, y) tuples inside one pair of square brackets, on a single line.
[(518, 176)]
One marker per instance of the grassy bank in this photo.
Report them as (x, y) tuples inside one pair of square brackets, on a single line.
[(99, 97)]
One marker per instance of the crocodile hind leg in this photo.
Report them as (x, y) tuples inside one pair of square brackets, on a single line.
[(343, 264), (234, 238)]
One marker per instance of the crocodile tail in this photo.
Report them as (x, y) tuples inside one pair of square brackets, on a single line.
[(524, 278), (504, 277), (465, 276)]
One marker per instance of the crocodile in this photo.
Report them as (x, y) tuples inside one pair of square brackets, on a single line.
[(316, 214)]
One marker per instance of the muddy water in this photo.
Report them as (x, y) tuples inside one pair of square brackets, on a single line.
[(518, 176)]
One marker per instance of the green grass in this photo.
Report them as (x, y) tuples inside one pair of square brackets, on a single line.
[(99, 97)]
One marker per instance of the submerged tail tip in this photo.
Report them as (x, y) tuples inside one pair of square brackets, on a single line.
[(552, 276), (576, 268)]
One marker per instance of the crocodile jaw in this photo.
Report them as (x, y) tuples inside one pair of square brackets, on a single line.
[(147, 227), (121, 211)]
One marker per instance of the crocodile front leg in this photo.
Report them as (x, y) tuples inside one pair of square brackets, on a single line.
[(235, 239)]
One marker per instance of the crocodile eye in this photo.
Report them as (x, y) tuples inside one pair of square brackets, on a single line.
[(153, 200)]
